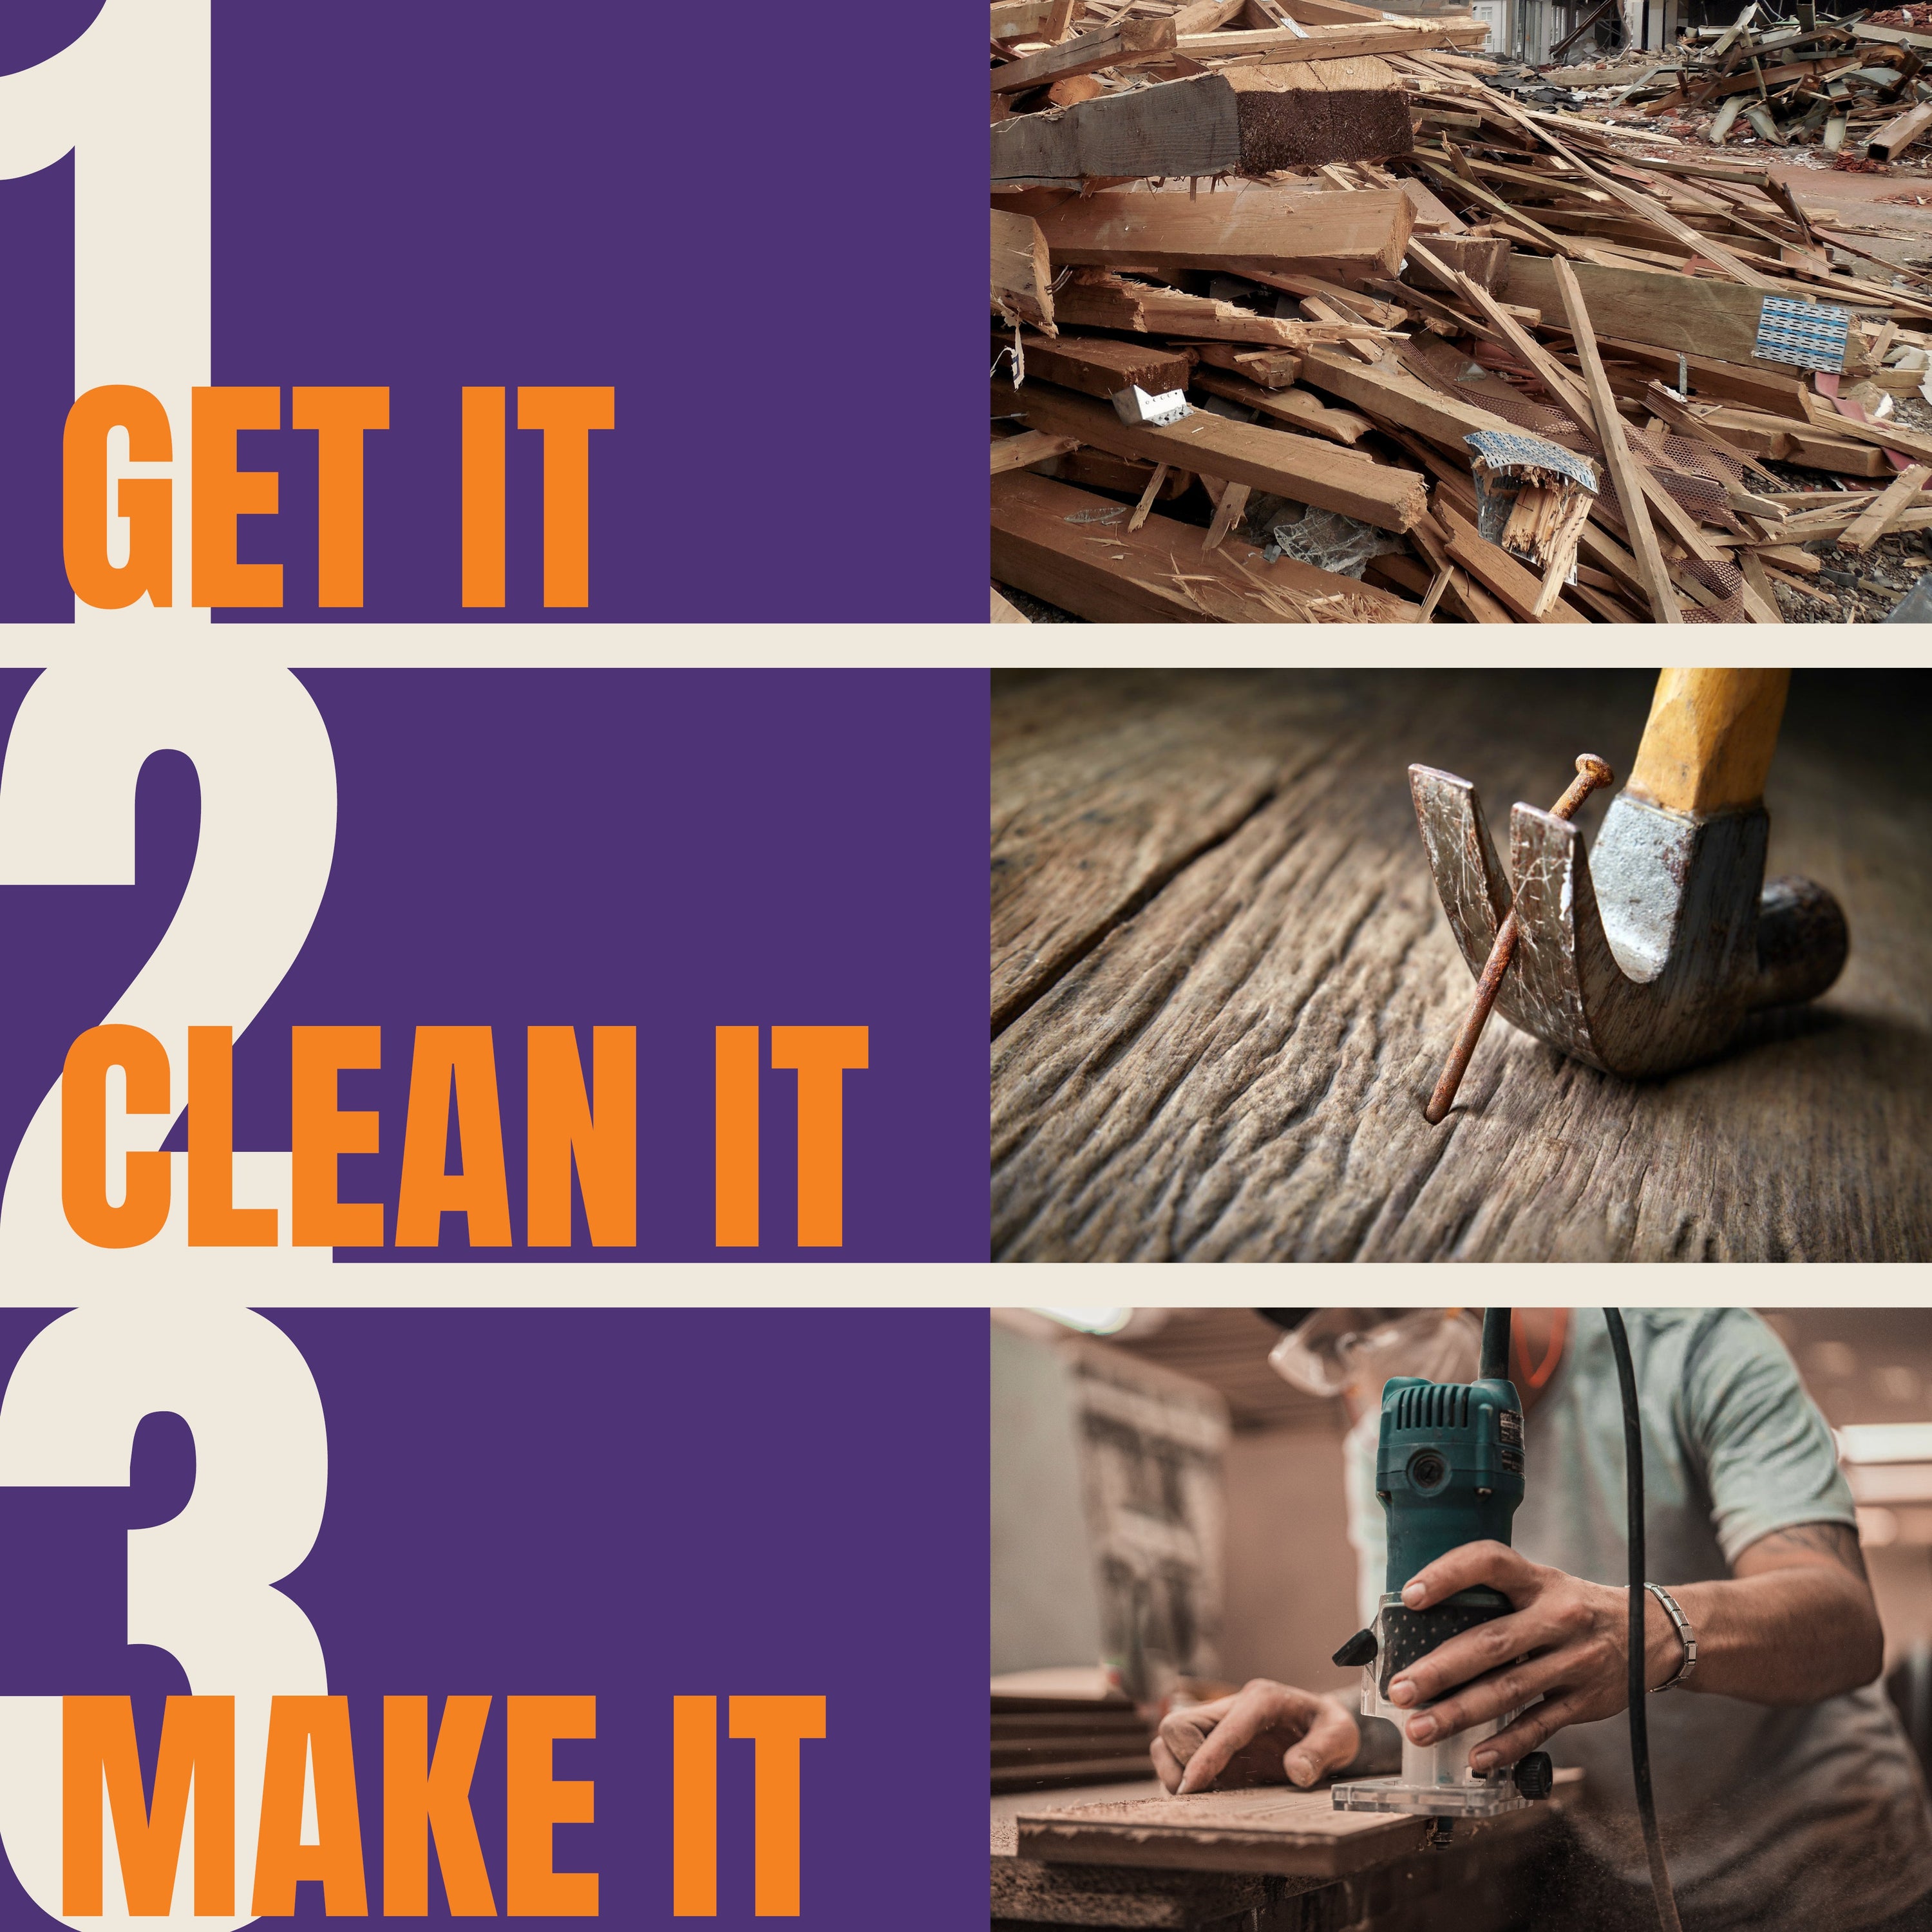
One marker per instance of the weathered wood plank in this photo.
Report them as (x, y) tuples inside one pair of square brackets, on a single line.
[(1696, 314), (1127, 43), (1087, 555), (1097, 365), (1272, 229), (1223, 1021), (1300, 467), (1339, 42), (1240, 120)]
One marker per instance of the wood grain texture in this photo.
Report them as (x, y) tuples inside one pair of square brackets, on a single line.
[(1223, 986)]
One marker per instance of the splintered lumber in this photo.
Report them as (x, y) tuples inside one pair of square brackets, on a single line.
[(1269, 229), (1094, 299), (1295, 407), (1097, 365), (1126, 43), (1876, 518), (1622, 466), (1300, 467), (1499, 571), (1022, 276), (1080, 552), (1696, 313), (1003, 613), (1271, 368), (1336, 43), (1031, 446), (1895, 137), (1483, 258)]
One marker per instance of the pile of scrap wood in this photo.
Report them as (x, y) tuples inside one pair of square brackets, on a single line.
[(1296, 318), (1852, 86)]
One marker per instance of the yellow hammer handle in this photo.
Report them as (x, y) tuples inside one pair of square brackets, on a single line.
[(1708, 743)]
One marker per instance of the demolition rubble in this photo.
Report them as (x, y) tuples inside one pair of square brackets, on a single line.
[(1307, 312)]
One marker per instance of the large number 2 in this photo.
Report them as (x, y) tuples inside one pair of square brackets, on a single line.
[(147, 1335)]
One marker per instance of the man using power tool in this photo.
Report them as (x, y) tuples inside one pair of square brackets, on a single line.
[(1786, 1793)]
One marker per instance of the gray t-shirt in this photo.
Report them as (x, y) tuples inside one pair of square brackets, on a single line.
[(1813, 1817)]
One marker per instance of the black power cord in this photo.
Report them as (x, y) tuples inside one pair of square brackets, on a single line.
[(1639, 1735)]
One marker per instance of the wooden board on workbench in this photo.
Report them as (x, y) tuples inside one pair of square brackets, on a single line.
[(1223, 986), (1272, 1829)]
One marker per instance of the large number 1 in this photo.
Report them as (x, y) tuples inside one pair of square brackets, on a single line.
[(131, 100)]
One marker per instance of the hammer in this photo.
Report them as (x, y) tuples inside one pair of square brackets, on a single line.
[(1645, 958)]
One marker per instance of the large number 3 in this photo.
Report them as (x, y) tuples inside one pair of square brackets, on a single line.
[(147, 1334)]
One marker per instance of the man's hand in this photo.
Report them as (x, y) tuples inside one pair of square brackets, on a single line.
[(1265, 1733), (1565, 1641)]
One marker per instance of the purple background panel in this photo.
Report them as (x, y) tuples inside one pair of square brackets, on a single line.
[(675, 850), (36, 380), (635, 1505), (756, 229)]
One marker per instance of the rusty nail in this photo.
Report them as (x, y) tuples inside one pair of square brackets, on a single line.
[(1591, 772)]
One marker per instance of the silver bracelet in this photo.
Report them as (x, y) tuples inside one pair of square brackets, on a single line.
[(1686, 1635)]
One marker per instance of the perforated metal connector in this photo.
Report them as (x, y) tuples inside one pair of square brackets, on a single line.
[(1810, 335), (1134, 405)]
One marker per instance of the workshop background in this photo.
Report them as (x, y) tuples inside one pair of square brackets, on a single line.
[(1223, 984), (1167, 1515)]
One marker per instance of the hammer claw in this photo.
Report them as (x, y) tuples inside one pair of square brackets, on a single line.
[(1647, 962)]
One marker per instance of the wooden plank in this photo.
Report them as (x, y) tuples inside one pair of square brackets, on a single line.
[(1878, 517), (1739, 383), (1097, 365), (1029, 447), (1022, 19), (1083, 553), (1896, 136), (1294, 407), (1022, 275), (1813, 448), (1004, 613), (1228, 1060), (1610, 432), (1693, 313), (1241, 121), (1391, 395), (1204, 16), (1270, 229), (1886, 435), (1336, 43), (1300, 467), (1094, 299), (1125, 43)]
